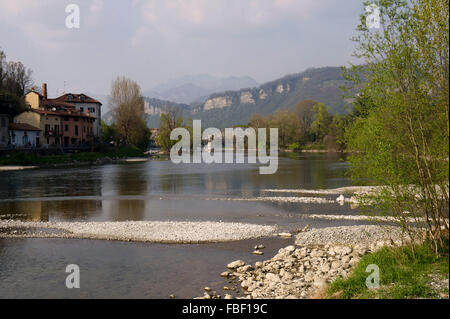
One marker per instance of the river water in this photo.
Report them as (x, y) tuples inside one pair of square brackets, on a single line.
[(153, 190)]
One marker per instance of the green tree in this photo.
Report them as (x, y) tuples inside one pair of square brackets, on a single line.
[(305, 113), (402, 136), (322, 120), (169, 120)]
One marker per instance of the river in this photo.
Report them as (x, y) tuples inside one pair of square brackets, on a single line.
[(154, 190)]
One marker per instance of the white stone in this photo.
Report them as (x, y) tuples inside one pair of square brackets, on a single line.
[(236, 264)]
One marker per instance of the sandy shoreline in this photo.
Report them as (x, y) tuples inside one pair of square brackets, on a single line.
[(137, 231)]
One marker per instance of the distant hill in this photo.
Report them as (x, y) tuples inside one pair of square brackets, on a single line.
[(196, 88), (235, 107)]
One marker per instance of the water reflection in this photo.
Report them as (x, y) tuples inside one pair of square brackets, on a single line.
[(161, 190)]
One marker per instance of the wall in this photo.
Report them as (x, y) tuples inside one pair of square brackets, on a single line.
[(97, 115), (4, 119), (17, 138)]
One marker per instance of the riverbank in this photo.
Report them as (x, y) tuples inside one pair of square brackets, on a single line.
[(304, 270), (137, 231), (20, 161)]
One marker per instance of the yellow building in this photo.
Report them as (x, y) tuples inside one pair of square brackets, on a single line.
[(49, 122)]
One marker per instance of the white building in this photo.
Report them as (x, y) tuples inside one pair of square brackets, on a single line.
[(24, 135)]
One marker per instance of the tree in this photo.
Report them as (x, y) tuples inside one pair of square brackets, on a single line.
[(289, 128), (305, 113), (169, 120), (402, 134), (322, 120), (15, 79), (127, 106)]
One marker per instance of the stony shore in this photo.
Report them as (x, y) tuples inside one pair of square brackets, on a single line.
[(303, 270), (138, 231)]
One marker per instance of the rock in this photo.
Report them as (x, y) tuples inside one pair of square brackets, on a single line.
[(272, 277), (340, 199), (285, 235), (290, 248), (227, 296), (258, 252), (353, 261), (325, 268), (225, 274), (257, 247), (306, 228), (207, 289), (345, 259), (206, 296), (235, 264), (171, 296), (226, 288), (258, 264), (336, 264), (346, 250), (320, 283)]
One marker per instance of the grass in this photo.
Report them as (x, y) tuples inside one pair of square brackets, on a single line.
[(403, 274), (23, 158)]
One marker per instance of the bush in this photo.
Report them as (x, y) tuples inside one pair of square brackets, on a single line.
[(294, 146)]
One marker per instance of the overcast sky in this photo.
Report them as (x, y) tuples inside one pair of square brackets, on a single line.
[(152, 41)]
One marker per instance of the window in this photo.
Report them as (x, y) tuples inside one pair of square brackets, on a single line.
[(3, 122), (69, 97), (47, 127), (75, 119), (76, 130), (82, 109), (66, 119), (66, 128), (82, 97)]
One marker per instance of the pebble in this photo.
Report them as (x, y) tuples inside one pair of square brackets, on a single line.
[(285, 235)]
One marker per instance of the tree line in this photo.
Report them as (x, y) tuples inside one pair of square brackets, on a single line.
[(15, 81), (310, 125)]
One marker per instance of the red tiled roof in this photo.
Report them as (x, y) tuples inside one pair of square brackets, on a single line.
[(55, 102), (22, 127), (61, 113), (76, 98)]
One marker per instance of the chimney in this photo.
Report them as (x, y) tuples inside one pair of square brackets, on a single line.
[(44, 90)]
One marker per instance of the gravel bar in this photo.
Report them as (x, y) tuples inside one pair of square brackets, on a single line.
[(143, 231)]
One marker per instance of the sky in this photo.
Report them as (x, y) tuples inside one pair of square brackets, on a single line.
[(152, 41)]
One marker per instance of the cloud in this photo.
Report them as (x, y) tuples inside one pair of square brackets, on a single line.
[(178, 17)]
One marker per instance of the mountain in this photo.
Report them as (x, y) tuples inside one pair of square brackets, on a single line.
[(196, 88), (235, 107)]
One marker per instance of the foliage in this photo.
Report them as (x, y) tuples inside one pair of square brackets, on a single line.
[(404, 273), (169, 121), (294, 146), (401, 131), (15, 80), (22, 158), (322, 121)]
